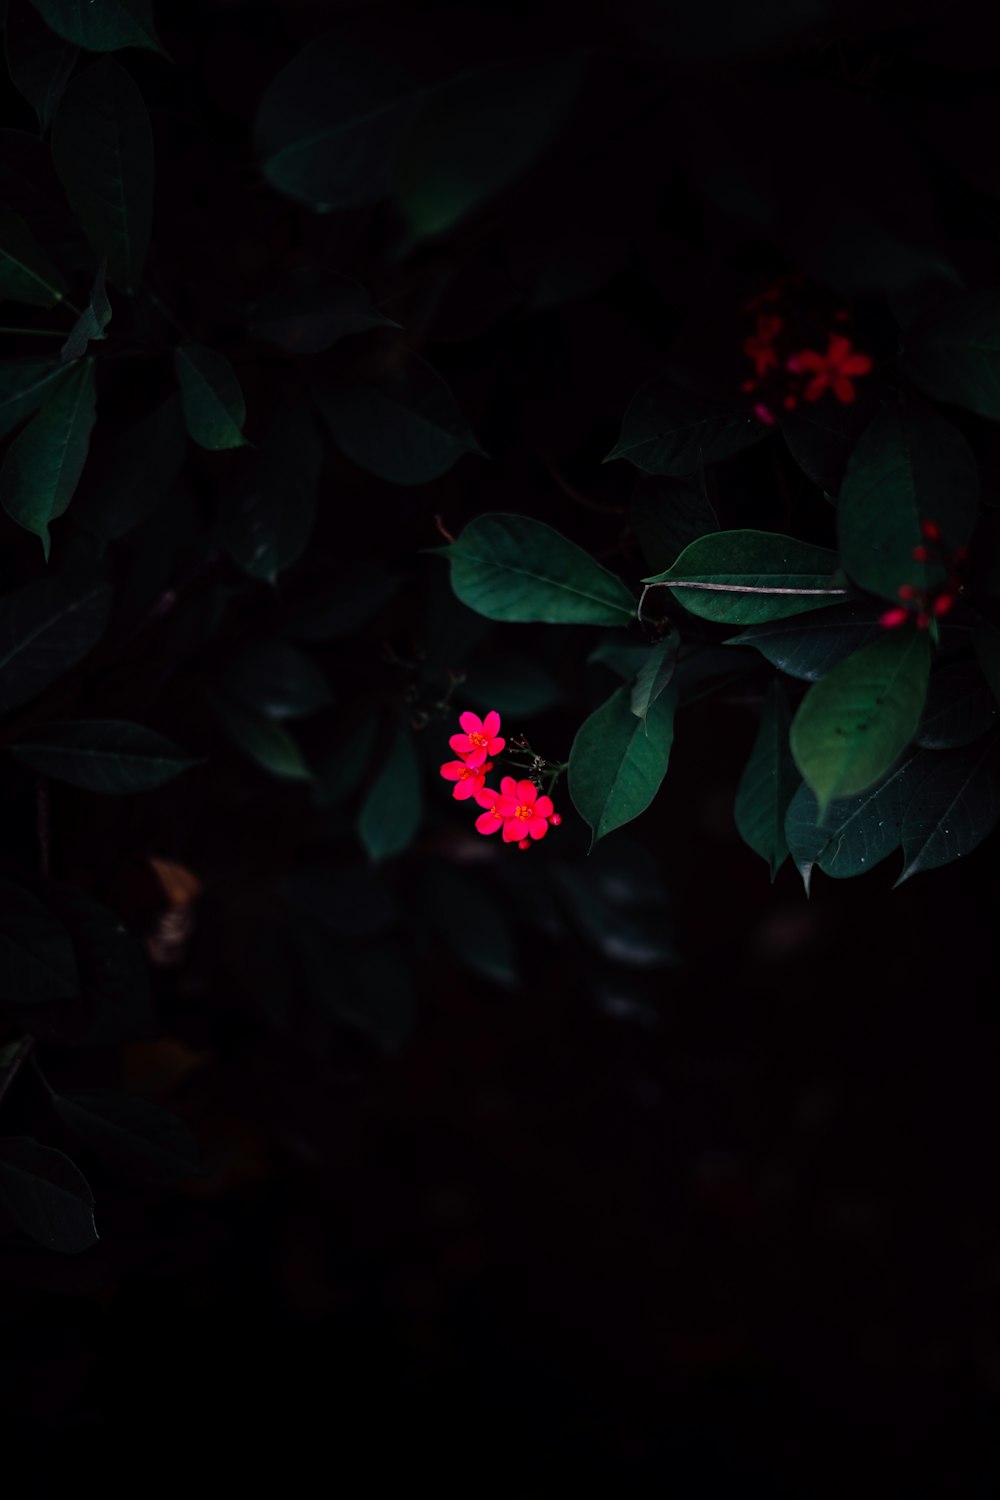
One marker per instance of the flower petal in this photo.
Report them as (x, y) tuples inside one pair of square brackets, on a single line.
[(838, 349), (816, 387), (544, 807), (491, 723), (461, 744), (508, 787), (464, 789), (485, 796), (453, 770), (806, 359), (495, 746), (527, 792), (505, 806), (538, 828), (476, 757), (513, 829), (471, 723), (487, 823), (843, 388), (857, 364)]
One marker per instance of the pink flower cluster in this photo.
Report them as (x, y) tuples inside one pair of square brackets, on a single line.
[(516, 807)]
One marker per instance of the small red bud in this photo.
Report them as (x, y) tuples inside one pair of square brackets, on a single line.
[(906, 591), (841, 316), (920, 554), (749, 385), (943, 603), (555, 819), (764, 414), (960, 555), (931, 530), (791, 402), (923, 620), (890, 618), (524, 844), (488, 766)]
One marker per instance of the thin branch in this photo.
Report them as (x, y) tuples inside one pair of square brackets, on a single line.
[(737, 588)]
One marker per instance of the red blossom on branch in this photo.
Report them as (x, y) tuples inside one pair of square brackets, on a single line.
[(480, 739), (833, 371)]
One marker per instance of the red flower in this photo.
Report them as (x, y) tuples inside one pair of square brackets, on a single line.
[(761, 348), (832, 370), (468, 779), (480, 738), (517, 809)]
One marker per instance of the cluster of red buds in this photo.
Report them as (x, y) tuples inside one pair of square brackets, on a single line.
[(925, 605), (516, 807), (784, 375)]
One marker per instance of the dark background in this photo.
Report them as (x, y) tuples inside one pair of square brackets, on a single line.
[(649, 1220)]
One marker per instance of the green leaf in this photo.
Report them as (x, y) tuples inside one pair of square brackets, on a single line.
[(43, 464), (24, 385), (743, 577), (39, 63), (953, 353), (911, 465), (102, 755), (821, 437), (854, 722), (26, 273), (404, 425), (624, 658), (472, 923), (269, 513), (986, 641), (92, 322), (954, 807), (101, 25), (617, 905), (277, 680), (392, 811), (513, 568), (670, 430), (857, 833), (617, 761), (102, 146), (340, 773), (47, 1197), (768, 783), (37, 962), (340, 605), (960, 707), (214, 408), (815, 642), (45, 629), (128, 477), (520, 682), (655, 675), (477, 134), (268, 744), (136, 1138), (330, 123), (311, 309), (666, 515)]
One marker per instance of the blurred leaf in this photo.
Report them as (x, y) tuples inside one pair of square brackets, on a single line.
[(655, 674), (277, 680), (666, 514), (24, 385), (821, 437), (669, 430), (814, 642), (36, 955), (404, 425), (26, 273), (268, 744), (953, 353), (268, 516), (39, 63), (214, 408), (45, 629), (46, 1195), (857, 832), (768, 783), (472, 923), (102, 146), (371, 989), (92, 322), (130, 475), (477, 134), (339, 774), (329, 124), (392, 811), (42, 466), (311, 309), (617, 761), (102, 755), (617, 905), (852, 724), (624, 658), (136, 1138), (960, 707), (513, 568), (101, 25), (910, 466), (342, 604), (744, 577), (520, 683), (348, 900), (953, 808)]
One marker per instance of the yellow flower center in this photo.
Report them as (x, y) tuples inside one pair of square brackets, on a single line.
[(479, 740), (524, 812)]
